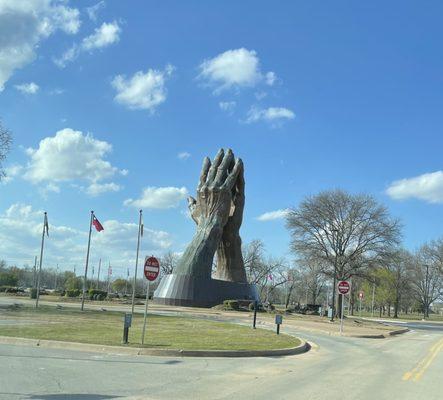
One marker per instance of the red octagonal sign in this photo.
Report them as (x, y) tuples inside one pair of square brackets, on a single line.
[(343, 287), (152, 268)]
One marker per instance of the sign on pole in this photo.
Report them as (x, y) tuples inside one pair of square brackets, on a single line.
[(152, 268), (343, 288), (151, 271)]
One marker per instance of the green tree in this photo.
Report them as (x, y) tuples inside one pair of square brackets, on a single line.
[(119, 285)]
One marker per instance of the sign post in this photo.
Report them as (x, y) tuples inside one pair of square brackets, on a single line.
[(278, 322), (343, 288), (151, 271), (361, 296)]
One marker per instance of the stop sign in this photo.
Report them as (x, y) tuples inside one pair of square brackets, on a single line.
[(152, 268), (343, 287)]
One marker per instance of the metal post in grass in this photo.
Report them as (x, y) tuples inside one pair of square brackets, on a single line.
[(140, 233), (45, 230), (255, 313)]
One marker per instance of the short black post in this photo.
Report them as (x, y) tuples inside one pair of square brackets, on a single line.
[(125, 334), (278, 322), (127, 320), (255, 313), (278, 329)]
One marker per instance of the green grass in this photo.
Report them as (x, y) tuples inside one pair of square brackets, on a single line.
[(163, 332)]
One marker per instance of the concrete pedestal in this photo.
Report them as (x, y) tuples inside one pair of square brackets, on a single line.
[(186, 290)]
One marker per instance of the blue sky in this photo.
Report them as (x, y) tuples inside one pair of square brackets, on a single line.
[(113, 106)]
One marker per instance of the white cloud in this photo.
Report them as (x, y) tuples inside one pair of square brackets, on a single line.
[(270, 78), (28, 88), (142, 91), (20, 234), (273, 215), (95, 189), (104, 36), (72, 156), (184, 155), (24, 24), (11, 172), (271, 114), (234, 69), (428, 187), (227, 106), (95, 9), (159, 197)]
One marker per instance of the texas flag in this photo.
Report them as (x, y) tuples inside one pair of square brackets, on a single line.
[(97, 225)]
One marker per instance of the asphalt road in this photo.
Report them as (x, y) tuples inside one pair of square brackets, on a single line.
[(409, 366)]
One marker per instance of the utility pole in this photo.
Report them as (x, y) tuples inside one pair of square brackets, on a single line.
[(98, 275), (109, 276), (55, 279), (34, 280), (126, 283), (373, 299)]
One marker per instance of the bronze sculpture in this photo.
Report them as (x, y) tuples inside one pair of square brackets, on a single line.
[(218, 213)]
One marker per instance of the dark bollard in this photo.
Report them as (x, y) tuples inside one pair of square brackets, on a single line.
[(127, 323), (255, 313)]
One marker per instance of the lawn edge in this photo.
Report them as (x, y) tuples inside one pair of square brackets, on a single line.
[(303, 347)]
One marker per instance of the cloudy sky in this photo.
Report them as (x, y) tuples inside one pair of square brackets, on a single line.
[(113, 107)]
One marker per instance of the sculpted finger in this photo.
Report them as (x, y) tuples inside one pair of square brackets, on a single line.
[(192, 206), (232, 177), (204, 172), (223, 169), (213, 170)]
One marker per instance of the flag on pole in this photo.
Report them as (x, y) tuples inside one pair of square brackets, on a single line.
[(46, 225), (97, 225)]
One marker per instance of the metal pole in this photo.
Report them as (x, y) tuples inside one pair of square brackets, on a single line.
[(373, 299), (136, 260), (34, 280), (87, 261), (98, 275), (146, 312), (341, 320), (359, 310), (41, 259), (333, 292), (55, 280), (126, 283), (255, 313), (109, 277)]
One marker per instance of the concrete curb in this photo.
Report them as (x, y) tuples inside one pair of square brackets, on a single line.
[(118, 350), (382, 335)]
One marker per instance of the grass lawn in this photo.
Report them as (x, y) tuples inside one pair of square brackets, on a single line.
[(163, 332)]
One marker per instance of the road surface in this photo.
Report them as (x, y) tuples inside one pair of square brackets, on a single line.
[(409, 366)]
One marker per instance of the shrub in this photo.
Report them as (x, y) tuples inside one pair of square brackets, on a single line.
[(231, 304), (8, 289), (101, 294), (73, 293)]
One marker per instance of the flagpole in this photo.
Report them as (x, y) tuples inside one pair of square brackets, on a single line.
[(87, 261), (136, 260), (45, 221)]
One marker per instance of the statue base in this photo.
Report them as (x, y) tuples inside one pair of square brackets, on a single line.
[(190, 291)]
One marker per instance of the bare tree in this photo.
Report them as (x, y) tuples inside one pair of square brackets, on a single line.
[(346, 234), (5, 145), (425, 275), (267, 273), (168, 262)]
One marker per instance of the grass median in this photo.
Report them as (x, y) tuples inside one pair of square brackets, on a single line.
[(163, 332)]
